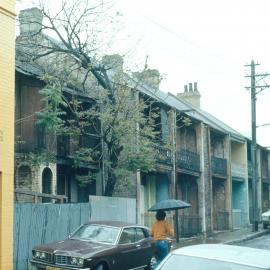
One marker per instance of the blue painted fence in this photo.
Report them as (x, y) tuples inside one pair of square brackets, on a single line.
[(36, 224)]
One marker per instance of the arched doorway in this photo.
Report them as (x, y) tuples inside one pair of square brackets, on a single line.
[(46, 183)]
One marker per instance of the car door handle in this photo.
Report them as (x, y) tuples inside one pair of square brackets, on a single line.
[(138, 245)]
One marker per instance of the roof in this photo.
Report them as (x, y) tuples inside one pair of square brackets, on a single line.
[(228, 253), (165, 98), (192, 111)]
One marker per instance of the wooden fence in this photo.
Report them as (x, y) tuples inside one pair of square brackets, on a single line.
[(113, 208), (36, 224)]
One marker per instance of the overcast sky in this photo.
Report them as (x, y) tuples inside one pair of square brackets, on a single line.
[(208, 42)]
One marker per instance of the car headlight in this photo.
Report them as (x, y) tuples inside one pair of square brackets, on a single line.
[(73, 260), (80, 262), (42, 255), (37, 254), (76, 261)]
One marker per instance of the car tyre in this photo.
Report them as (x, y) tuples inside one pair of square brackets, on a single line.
[(101, 267), (152, 263), (265, 226)]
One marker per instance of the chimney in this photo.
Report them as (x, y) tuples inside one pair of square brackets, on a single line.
[(190, 87), (195, 87), (114, 62), (149, 76), (191, 94), (30, 21)]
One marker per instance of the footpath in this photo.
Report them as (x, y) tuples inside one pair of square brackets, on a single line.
[(225, 237)]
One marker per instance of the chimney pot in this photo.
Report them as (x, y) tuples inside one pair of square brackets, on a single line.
[(191, 95), (195, 87), (190, 87)]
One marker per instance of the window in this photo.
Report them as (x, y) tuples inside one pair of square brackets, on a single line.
[(139, 234), (128, 236)]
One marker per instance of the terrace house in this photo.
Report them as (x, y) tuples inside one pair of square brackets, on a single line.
[(201, 160)]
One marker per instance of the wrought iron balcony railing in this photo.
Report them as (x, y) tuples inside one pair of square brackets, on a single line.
[(188, 160), (219, 166), (164, 155)]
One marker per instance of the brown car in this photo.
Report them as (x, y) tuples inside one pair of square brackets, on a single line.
[(103, 245)]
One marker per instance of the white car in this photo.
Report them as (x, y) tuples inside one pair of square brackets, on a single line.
[(216, 257), (266, 219)]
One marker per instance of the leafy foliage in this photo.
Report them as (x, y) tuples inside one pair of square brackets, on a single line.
[(35, 159)]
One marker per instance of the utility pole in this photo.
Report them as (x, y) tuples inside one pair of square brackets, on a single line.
[(253, 88), (254, 148)]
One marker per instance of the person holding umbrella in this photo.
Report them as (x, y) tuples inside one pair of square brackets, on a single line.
[(160, 231)]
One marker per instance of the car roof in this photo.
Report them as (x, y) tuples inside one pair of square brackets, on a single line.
[(119, 224), (229, 253)]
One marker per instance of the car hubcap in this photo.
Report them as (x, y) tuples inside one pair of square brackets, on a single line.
[(153, 262)]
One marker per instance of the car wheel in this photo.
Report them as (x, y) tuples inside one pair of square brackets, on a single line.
[(265, 226), (152, 263), (101, 267)]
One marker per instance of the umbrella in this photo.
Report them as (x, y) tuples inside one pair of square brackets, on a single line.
[(168, 205)]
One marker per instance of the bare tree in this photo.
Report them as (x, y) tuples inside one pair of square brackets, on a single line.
[(117, 117)]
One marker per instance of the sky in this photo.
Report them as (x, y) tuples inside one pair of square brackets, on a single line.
[(208, 42)]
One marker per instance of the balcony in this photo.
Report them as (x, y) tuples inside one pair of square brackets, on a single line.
[(188, 160), (219, 166), (238, 170), (164, 155)]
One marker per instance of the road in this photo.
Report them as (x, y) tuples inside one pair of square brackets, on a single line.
[(262, 242)]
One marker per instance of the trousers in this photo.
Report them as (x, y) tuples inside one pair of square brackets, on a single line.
[(162, 248)]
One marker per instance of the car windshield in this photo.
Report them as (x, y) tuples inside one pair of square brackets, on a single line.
[(97, 233), (176, 262)]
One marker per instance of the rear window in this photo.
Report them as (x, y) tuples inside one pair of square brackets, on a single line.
[(176, 262)]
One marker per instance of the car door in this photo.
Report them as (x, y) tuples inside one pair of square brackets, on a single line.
[(128, 249), (144, 247)]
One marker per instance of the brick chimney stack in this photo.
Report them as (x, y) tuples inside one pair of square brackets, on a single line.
[(30, 21), (114, 62), (150, 77), (191, 94)]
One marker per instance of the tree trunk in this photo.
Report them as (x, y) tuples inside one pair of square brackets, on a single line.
[(109, 189)]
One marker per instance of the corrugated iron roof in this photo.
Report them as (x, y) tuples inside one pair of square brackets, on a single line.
[(194, 112), (166, 98)]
